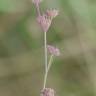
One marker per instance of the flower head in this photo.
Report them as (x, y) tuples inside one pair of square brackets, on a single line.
[(53, 50), (52, 13), (36, 2), (47, 92), (44, 22)]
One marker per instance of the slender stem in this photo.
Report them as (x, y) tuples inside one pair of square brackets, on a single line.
[(45, 54), (38, 10), (45, 45), (46, 73), (45, 79)]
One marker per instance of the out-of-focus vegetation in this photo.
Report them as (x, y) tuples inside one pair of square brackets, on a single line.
[(21, 48)]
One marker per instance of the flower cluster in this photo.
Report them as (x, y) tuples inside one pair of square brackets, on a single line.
[(47, 92), (46, 19), (44, 22), (53, 50)]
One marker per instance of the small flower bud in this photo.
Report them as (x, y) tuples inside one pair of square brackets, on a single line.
[(52, 13), (47, 92), (36, 2), (53, 50)]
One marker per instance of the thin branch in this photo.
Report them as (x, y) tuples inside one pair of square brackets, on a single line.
[(50, 63), (48, 67)]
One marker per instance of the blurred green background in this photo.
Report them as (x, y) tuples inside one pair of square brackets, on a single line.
[(21, 48)]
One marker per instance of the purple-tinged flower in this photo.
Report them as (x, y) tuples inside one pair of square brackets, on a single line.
[(52, 13), (44, 22), (53, 50), (36, 2), (47, 92)]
